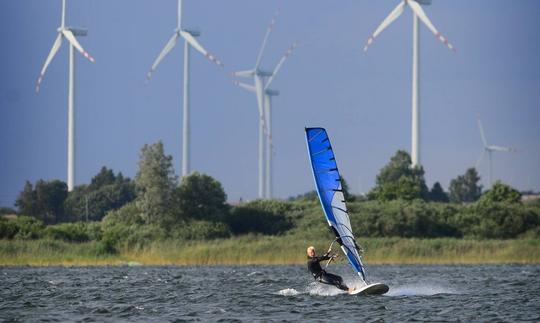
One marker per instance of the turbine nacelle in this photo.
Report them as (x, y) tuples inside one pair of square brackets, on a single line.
[(75, 31), (263, 73), (271, 92), (192, 32), (423, 2)]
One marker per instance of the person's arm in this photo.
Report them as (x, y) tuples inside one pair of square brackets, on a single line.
[(323, 257)]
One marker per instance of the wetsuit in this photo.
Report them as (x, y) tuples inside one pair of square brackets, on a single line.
[(321, 275)]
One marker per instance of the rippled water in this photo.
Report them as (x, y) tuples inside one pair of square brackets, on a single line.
[(267, 293)]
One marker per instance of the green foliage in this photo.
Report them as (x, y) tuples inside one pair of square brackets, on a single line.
[(437, 194), (403, 219), (465, 188), (399, 180), (74, 232), (200, 230), (200, 197), (345, 188), (21, 227), (104, 177), (308, 196), (7, 211), (500, 192), (155, 183), (26, 202), (106, 192), (127, 215), (497, 220), (260, 216), (44, 202)]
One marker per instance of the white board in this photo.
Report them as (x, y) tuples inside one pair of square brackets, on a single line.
[(371, 289)]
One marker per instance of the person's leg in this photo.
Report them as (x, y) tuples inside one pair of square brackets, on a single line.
[(335, 280)]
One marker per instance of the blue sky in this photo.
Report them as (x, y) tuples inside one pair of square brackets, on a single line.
[(362, 99)]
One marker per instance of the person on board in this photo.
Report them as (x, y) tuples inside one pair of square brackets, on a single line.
[(320, 275)]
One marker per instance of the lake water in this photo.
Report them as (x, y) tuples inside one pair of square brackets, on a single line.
[(268, 293)]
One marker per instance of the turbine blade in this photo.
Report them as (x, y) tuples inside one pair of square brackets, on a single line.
[(56, 46), (386, 22), (424, 18), (247, 73), (245, 86), (479, 160), (73, 41), (179, 13), (170, 45), (280, 63), (195, 44), (268, 31), (482, 133)]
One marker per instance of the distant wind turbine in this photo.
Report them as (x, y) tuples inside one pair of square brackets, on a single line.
[(189, 41), (261, 82), (418, 13), (68, 33), (489, 149)]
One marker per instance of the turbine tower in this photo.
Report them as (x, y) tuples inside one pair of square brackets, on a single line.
[(268, 94), (189, 41), (261, 81), (418, 13), (489, 149), (69, 34)]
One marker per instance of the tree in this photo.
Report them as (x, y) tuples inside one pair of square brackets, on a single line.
[(106, 192), (50, 200), (26, 202), (345, 188), (201, 197), (501, 192), (437, 194), (308, 196), (465, 188), (104, 177), (44, 201), (399, 180), (154, 183)]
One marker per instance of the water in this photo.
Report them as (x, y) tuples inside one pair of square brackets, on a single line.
[(267, 293)]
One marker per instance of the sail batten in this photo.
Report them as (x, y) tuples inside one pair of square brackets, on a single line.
[(330, 192)]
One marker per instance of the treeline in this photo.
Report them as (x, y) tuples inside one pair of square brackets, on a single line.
[(117, 212), (50, 202), (131, 213)]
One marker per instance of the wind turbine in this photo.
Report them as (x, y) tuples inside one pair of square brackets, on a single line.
[(69, 34), (261, 82), (418, 13), (189, 41), (269, 93), (489, 149)]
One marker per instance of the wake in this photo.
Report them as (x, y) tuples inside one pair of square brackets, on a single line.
[(317, 289), (420, 290)]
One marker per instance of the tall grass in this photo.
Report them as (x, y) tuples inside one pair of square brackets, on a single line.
[(53, 252), (254, 249)]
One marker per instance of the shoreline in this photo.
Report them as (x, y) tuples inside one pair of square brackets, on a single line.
[(269, 250)]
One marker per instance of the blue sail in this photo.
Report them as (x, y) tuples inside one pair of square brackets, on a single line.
[(329, 188)]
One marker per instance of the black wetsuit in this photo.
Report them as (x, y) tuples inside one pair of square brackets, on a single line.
[(321, 275)]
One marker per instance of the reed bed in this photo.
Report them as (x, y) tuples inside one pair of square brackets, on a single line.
[(253, 249)]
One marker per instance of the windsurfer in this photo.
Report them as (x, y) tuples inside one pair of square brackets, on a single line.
[(320, 274)]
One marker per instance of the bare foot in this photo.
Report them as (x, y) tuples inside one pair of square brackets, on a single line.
[(351, 289)]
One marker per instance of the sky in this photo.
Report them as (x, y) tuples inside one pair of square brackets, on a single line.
[(362, 99)]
